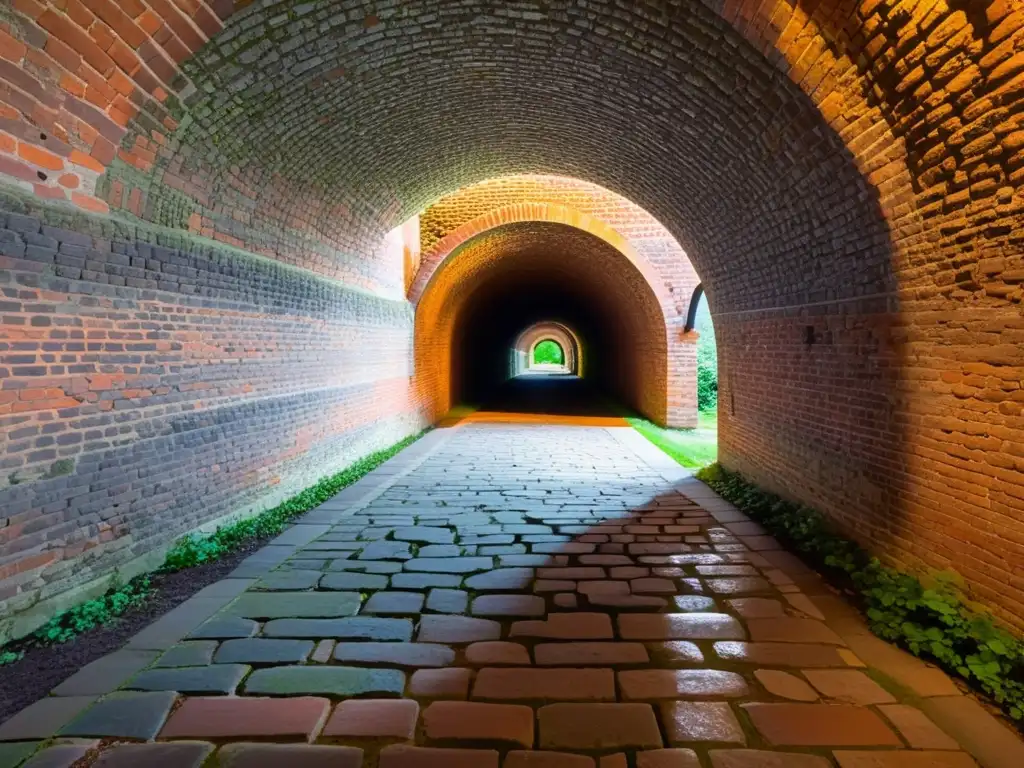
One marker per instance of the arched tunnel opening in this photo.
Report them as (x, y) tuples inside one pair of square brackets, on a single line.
[(508, 279)]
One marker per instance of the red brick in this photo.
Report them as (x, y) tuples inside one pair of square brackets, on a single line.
[(545, 684), (451, 683), (820, 725), (39, 156), (589, 654), (470, 721), (371, 718), (286, 719), (531, 759), (598, 726)]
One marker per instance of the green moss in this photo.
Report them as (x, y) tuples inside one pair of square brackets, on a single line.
[(692, 448), (930, 620)]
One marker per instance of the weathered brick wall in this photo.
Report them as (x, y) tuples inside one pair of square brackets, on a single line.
[(151, 383), (855, 163)]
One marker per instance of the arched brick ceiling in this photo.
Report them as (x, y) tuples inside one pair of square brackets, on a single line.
[(523, 273), (301, 111)]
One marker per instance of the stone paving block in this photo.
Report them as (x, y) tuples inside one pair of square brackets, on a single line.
[(914, 726), (497, 653), (247, 755), (448, 683), (979, 732), (848, 685), (44, 718), (681, 683), (824, 725), (182, 754), (680, 626), (471, 721), (279, 605), (256, 650), (358, 628), (425, 581), (740, 585), (547, 684), (402, 756), (690, 721), (124, 714), (106, 674), (395, 654), (903, 759), (386, 550), (694, 604), (195, 653), (380, 567), (224, 718), (60, 756), (215, 678), (508, 605), (170, 628), (598, 726), (566, 626), (457, 629), (449, 564), (589, 654), (781, 654), (374, 718), (668, 758), (423, 534), (756, 758), (532, 759), (443, 550), (394, 603), (353, 581), (289, 581), (447, 601), (325, 680), (789, 630), (225, 628), (785, 685), (501, 580)]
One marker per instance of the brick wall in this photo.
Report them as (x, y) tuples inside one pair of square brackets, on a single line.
[(855, 166), (151, 383)]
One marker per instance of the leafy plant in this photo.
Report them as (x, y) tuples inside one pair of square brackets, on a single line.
[(198, 548), (549, 352), (93, 613), (930, 620), (9, 657)]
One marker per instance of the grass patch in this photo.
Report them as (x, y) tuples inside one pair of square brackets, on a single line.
[(196, 549), (931, 620), (692, 448)]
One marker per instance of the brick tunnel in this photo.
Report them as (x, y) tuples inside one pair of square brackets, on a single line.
[(246, 243)]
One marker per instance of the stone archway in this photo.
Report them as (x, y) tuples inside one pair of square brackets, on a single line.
[(522, 353)]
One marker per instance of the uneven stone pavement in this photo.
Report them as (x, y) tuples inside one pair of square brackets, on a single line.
[(523, 596)]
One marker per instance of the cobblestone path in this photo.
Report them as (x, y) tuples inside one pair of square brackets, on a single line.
[(530, 597)]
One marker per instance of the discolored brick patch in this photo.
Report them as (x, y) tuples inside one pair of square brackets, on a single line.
[(292, 755)]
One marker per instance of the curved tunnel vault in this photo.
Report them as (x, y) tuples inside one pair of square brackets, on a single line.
[(524, 350), (847, 178)]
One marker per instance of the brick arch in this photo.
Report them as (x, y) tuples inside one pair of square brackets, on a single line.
[(447, 246), (526, 345)]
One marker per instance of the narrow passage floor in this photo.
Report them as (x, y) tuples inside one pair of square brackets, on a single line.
[(522, 596)]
